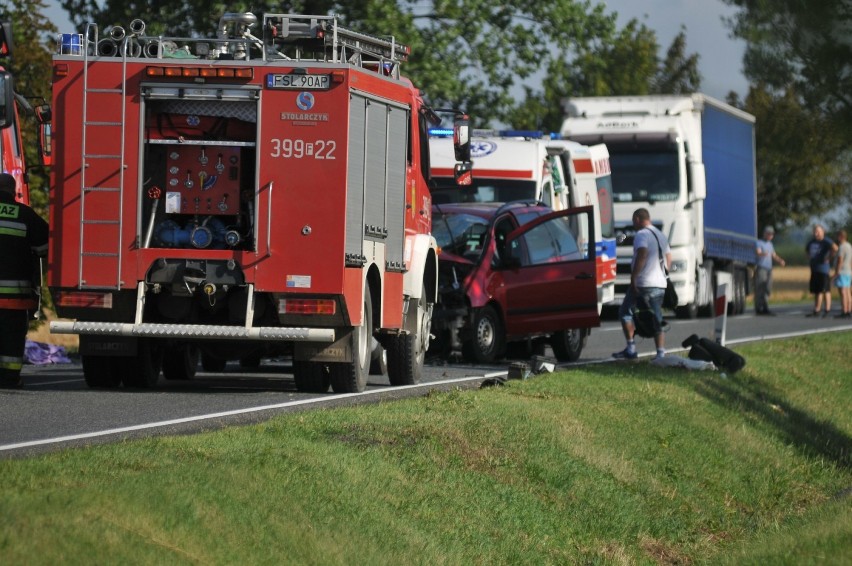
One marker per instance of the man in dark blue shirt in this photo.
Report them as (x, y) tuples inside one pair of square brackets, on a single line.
[(820, 250)]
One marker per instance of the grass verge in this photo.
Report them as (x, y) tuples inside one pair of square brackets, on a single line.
[(611, 464)]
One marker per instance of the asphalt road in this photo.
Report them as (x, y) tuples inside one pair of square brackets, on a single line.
[(56, 410)]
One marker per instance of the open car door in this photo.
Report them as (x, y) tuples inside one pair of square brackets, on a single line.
[(548, 273)]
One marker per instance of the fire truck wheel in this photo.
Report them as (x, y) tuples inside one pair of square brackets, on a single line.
[(311, 377), (488, 338), (351, 377), (142, 370), (180, 362), (212, 364), (101, 371), (378, 359), (568, 344), (407, 352)]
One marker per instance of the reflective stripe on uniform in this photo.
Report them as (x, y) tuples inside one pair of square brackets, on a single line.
[(9, 228), (11, 362), (15, 287)]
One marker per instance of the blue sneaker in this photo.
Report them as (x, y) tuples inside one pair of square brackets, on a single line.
[(625, 354)]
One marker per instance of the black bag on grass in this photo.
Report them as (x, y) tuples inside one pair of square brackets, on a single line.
[(709, 351)]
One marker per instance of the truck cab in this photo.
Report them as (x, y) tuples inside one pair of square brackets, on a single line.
[(690, 161)]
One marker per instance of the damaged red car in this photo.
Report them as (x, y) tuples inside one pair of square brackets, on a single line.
[(514, 277)]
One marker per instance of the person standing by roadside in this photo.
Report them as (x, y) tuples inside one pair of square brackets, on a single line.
[(843, 275), (647, 283), (23, 238), (763, 271), (820, 251)]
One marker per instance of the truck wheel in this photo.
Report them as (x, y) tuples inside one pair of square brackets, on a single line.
[(212, 364), (310, 377), (737, 304), (351, 377), (568, 344), (488, 342), (180, 362), (142, 371), (100, 371), (378, 359), (689, 311), (407, 352)]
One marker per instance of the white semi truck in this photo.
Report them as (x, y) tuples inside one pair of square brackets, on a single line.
[(688, 159)]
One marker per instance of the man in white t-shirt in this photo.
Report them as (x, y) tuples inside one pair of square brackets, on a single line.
[(647, 283)]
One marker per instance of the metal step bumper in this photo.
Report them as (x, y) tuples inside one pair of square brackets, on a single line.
[(193, 331)]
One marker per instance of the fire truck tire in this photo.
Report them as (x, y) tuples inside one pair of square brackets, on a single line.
[(379, 360), (311, 377), (351, 377), (101, 371), (407, 352), (488, 337), (212, 364), (568, 344), (180, 362), (142, 370)]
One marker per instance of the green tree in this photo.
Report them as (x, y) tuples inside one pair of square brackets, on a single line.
[(31, 67), (799, 54), (804, 45), (678, 72), (799, 174), (467, 54), (623, 62)]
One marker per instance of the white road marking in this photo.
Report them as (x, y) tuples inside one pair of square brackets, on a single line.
[(296, 403)]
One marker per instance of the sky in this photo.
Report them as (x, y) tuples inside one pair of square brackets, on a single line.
[(720, 57)]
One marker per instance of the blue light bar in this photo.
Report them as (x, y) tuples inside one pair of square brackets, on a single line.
[(441, 132), (532, 134)]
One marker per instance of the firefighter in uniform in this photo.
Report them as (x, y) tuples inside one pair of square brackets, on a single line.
[(23, 238)]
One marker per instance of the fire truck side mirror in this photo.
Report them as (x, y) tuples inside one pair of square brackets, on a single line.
[(45, 142), (461, 137), (7, 100)]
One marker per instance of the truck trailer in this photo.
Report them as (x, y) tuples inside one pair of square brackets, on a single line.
[(690, 160), (261, 192)]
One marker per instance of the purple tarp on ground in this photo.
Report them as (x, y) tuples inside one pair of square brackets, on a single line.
[(38, 353)]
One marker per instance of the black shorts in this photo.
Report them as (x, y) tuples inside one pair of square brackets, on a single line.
[(820, 282)]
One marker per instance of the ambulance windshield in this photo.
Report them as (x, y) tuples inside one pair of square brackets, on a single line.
[(483, 190)]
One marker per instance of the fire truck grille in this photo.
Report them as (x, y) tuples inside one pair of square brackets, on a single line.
[(197, 331)]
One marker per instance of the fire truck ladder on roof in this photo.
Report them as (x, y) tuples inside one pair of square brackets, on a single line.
[(341, 44), (102, 171)]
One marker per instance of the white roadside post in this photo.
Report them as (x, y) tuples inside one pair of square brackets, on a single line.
[(720, 306)]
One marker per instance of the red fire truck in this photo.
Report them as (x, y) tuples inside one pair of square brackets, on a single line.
[(12, 159), (261, 192)]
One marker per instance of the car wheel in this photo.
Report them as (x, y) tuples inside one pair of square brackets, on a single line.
[(487, 342), (568, 344)]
